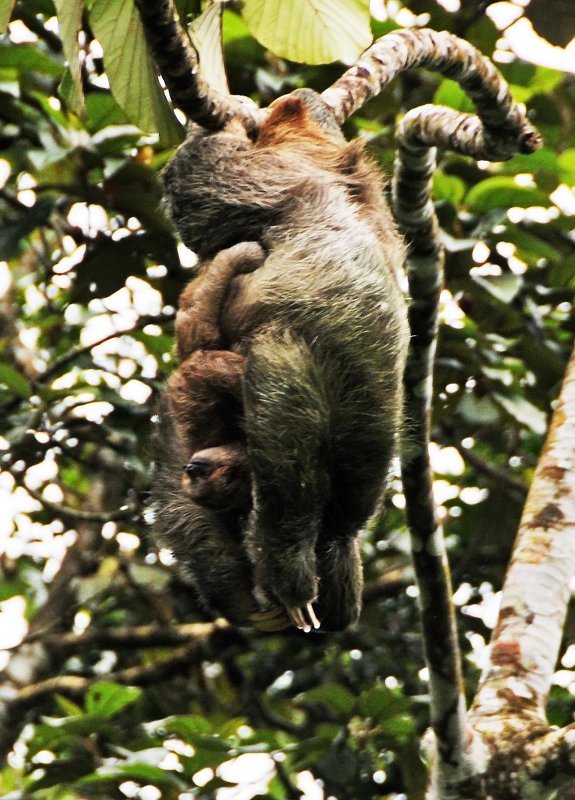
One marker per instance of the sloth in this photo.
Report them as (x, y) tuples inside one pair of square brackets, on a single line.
[(286, 406)]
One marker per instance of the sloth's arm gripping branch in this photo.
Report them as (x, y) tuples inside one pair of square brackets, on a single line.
[(179, 65), (505, 129)]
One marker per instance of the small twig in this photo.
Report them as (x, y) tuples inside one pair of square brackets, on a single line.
[(76, 352), (498, 476), (180, 661), (80, 350), (291, 791), (388, 584), (125, 512), (13, 201), (140, 636), (33, 24)]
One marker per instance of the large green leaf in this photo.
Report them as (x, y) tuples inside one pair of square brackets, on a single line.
[(24, 58), (502, 192), (6, 7), (311, 31), (107, 699), (567, 165), (335, 697), (14, 380), (450, 93), (130, 69), (69, 23), (206, 35)]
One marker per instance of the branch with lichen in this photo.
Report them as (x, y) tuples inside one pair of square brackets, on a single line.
[(513, 689), (179, 661)]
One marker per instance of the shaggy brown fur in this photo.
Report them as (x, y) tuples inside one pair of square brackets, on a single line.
[(314, 338)]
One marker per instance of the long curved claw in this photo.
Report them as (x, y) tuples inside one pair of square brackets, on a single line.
[(303, 622), (312, 616), (298, 619)]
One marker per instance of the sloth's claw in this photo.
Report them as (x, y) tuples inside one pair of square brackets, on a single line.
[(298, 619), (312, 616), (303, 622)]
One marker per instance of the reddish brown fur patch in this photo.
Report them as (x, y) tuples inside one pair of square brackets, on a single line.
[(289, 122)]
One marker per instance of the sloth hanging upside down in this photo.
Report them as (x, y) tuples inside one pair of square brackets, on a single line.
[(292, 340)]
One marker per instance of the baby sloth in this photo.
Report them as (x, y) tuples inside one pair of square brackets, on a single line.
[(292, 342)]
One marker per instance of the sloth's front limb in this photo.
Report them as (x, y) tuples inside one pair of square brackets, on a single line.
[(200, 305)]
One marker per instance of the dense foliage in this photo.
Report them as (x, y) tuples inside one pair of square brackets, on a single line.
[(122, 689)]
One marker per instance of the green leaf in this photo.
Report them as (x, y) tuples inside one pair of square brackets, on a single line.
[(381, 703), (523, 411), (504, 287), (566, 161), (311, 31), (449, 93), (188, 727), (333, 696), (14, 380), (12, 588), (448, 187), (68, 706), (206, 35), (502, 192), (141, 772), (478, 410), (531, 248), (6, 7), (69, 24), (25, 58), (107, 699), (103, 111), (130, 69)]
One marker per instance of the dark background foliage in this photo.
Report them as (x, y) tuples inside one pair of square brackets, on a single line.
[(122, 689)]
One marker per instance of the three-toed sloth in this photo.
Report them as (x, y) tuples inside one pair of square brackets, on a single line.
[(287, 402)]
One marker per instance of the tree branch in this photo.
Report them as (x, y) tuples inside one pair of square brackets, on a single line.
[(498, 476), (526, 640), (180, 661), (139, 636), (32, 659), (124, 512)]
